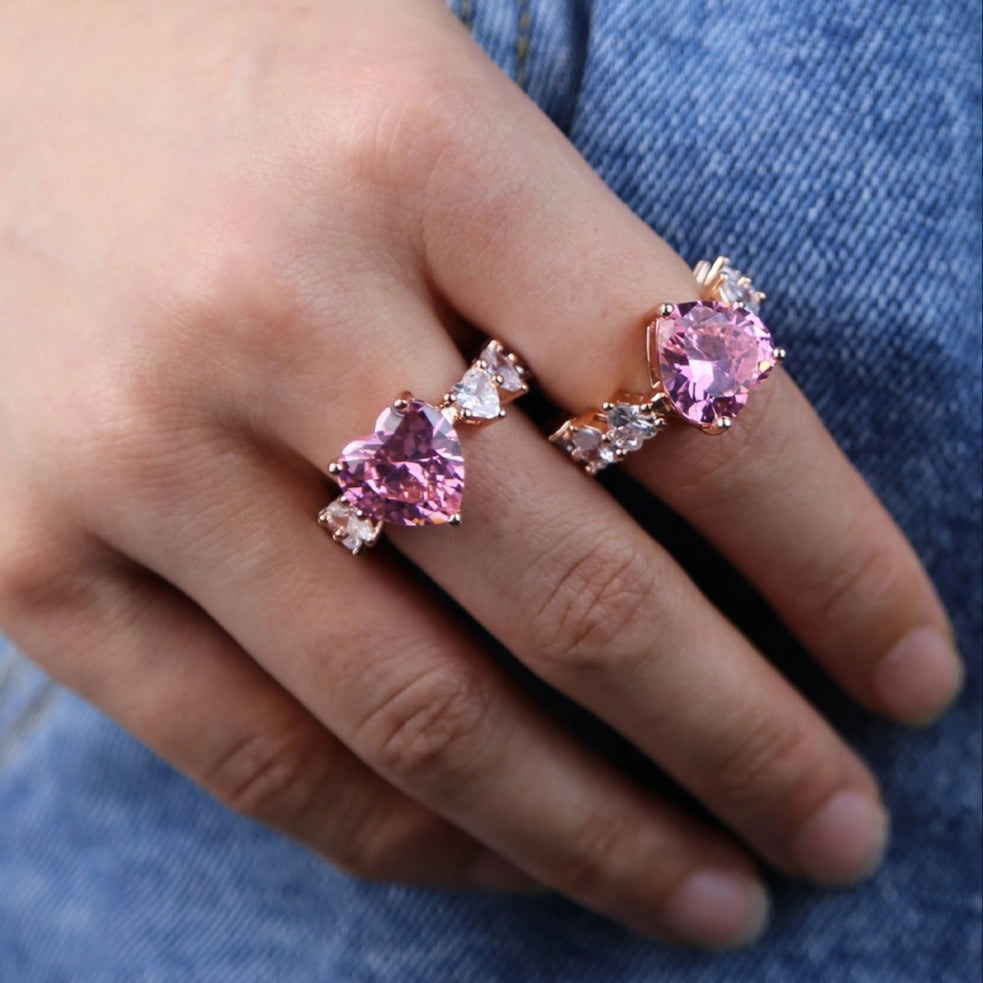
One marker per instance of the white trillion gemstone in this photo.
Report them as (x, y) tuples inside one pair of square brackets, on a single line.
[(629, 425), (351, 531), (732, 291), (501, 365), (589, 447), (477, 394)]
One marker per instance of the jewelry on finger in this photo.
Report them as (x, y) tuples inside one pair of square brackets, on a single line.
[(410, 470), (704, 358)]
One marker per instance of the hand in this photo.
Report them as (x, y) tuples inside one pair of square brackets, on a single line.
[(231, 234)]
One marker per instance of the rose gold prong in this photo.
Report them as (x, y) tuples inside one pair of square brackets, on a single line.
[(401, 402), (322, 518), (606, 406), (338, 535), (666, 309), (334, 469), (480, 363), (449, 399), (359, 514), (359, 546), (779, 355), (455, 519), (498, 379), (495, 345), (501, 414), (660, 403), (762, 296)]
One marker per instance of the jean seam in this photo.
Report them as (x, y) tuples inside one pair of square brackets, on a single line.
[(523, 36)]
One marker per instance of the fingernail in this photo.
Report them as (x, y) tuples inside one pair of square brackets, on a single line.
[(717, 908), (491, 873), (919, 677), (843, 841)]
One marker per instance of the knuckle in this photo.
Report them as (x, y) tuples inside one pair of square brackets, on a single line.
[(608, 848), (412, 114), (863, 585), (586, 602), (382, 845), (123, 434), (272, 777), (426, 732), (774, 767)]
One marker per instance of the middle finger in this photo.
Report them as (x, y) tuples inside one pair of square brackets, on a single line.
[(577, 591)]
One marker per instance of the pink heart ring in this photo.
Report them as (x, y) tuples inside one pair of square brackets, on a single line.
[(704, 358), (410, 470)]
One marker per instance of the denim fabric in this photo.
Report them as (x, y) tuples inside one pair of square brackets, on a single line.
[(833, 150)]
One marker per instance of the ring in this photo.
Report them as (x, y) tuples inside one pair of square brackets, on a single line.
[(704, 357), (410, 470)]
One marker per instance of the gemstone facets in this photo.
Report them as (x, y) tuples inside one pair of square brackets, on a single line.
[(346, 527), (721, 282), (735, 288), (476, 395), (707, 357), (629, 425), (410, 472), (588, 447), (599, 438), (505, 368)]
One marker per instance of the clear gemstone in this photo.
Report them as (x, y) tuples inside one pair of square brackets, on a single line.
[(410, 472), (732, 291), (710, 355), (589, 447), (341, 521), (629, 425), (477, 393), (499, 364)]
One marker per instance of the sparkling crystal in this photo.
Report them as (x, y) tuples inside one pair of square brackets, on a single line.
[(590, 448), (499, 364), (341, 521), (629, 425), (710, 355), (477, 394), (732, 291), (410, 472)]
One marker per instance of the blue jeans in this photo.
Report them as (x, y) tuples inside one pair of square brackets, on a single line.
[(831, 149)]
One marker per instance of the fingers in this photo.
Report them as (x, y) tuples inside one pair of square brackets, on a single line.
[(785, 505), (154, 662), (775, 495), (387, 670), (568, 582)]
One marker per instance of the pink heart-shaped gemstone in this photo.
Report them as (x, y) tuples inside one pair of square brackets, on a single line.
[(709, 356), (410, 472)]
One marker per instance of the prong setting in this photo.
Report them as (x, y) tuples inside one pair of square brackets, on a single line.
[(414, 432)]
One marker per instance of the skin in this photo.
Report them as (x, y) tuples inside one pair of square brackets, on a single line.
[(229, 235)]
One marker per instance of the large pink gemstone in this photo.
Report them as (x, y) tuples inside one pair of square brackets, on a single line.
[(410, 472), (709, 356)]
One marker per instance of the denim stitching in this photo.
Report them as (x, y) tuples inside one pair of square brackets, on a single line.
[(522, 44)]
